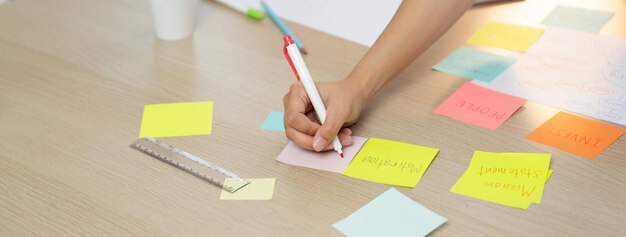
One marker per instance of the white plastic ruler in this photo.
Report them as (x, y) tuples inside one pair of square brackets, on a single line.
[(190, 163)]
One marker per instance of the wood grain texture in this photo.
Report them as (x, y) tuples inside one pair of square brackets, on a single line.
[(75, 74)]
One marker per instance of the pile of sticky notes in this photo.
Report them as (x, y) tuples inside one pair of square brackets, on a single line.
[(511, 179), (373, 159), (391, 214), (483, 66)]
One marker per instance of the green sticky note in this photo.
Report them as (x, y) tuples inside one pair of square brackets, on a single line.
[(177, 119), (274, 122), (474, 64), (578, 19)]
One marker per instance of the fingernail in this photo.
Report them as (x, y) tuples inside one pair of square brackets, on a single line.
[(319, 143)]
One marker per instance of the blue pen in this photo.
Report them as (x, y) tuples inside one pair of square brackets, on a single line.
[(281, 25)]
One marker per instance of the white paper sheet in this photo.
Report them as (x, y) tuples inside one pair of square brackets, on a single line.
[(575, 71), (360, 21)]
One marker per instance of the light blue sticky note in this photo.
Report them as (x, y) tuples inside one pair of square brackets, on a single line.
[(274, 122), (578, 19), (474, 64), (390, 214)]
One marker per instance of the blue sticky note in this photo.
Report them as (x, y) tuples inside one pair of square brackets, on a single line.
[(578, 19), (274, 122), (474, 64), (390, 214)]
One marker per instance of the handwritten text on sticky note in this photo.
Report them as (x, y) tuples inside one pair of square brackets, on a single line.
[(512, 179), (576, 134), (391, 162), (479, 106)]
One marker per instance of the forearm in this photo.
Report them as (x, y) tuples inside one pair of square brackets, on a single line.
[(414, 28)]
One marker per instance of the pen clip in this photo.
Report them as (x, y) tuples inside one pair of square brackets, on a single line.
[(289, 41)]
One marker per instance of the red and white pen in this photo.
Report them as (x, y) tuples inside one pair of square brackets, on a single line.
[(302, 74)]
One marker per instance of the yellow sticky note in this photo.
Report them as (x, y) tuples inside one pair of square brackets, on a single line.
[(506, 36), (549, 174), (391, 162), (177, 119), (536, 196), (257, 189), (512, 179)]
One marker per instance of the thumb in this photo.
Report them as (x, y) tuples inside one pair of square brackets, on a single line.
[(327, 132)]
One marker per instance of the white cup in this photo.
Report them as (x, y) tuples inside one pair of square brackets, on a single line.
[(173, 19)]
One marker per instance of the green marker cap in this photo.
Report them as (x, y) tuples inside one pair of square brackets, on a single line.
[(255, 14)]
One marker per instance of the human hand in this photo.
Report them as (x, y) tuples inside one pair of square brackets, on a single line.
[(343, 102)]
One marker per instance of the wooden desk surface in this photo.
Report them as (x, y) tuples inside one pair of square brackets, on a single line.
[(75, 75)]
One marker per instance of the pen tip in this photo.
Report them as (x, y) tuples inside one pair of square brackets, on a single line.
[(341, 154), (303, 50)]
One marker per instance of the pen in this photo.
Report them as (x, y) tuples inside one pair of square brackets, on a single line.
[(302, 74), (281, 25), (243, 8)]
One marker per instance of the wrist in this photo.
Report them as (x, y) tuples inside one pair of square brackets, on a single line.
[(366, 84)]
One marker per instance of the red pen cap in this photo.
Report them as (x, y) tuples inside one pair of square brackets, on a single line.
[(289, 41)]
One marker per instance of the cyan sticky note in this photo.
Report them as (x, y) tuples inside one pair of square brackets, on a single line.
[(474, 64), (578, 19), (390, 214), (274, 122)]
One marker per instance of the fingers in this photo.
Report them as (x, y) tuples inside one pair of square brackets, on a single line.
[(305, 141), (345, 137), (301, 123), (298, 127), (327, 132), (301, 139)]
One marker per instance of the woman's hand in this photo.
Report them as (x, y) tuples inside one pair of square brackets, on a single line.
[(343, 101), (409, 33)]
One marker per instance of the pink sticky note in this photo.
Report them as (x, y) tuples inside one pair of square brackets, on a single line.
[(479, 106), (329, 160)]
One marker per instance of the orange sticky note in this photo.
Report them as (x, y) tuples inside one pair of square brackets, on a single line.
[(576, 134), (479, 106)]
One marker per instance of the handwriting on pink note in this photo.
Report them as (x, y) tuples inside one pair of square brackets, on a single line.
[(479, 106)]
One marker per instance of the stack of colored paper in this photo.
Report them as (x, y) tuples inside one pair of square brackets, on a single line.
[(511, 179)]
